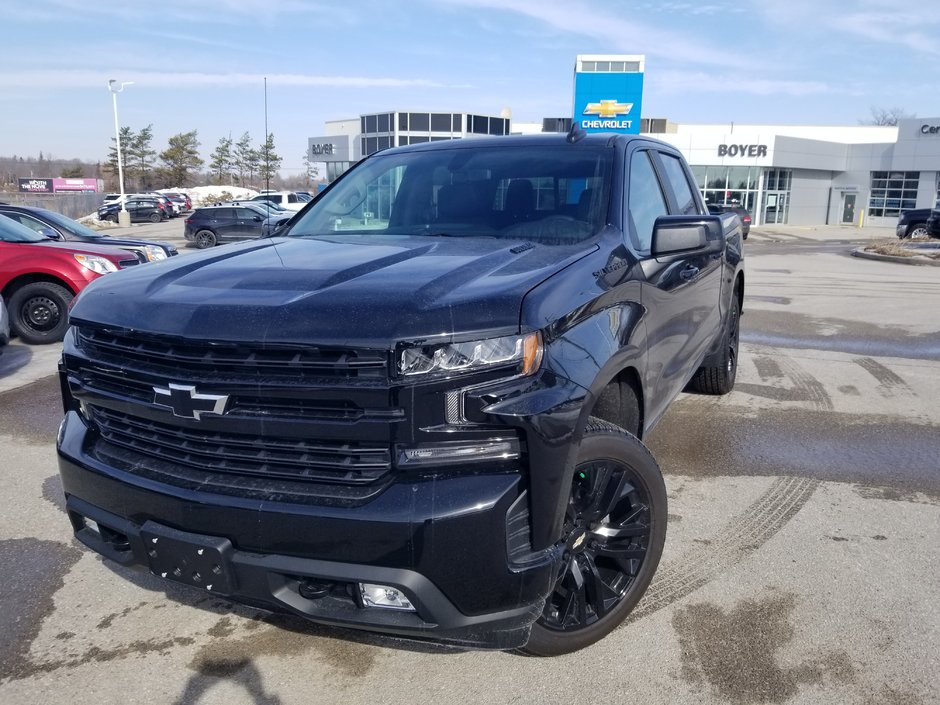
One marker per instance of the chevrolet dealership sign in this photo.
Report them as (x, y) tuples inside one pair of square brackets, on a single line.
[(608, 93)]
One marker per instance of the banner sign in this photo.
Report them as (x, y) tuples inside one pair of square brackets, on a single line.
[(75, 185), (35, 185)]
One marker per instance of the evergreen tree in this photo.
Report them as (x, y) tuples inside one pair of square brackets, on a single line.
[(268, 160), (243, 157), (127, 137), (139, 154), (222, 158), (73, 172), (181, 158)]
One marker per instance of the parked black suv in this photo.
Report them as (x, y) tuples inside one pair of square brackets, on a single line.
[(140, 209), (912, 224), (56, 226), (419, 412), (215, 225)]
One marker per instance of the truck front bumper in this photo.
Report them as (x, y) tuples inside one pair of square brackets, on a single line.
[(441, 542)]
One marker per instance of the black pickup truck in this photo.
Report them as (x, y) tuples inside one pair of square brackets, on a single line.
[(418, 411)]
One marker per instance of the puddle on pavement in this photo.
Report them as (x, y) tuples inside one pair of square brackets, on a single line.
[(734, 653)]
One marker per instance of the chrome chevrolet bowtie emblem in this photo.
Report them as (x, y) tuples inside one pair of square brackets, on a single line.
[(608, 108), (184, 401)]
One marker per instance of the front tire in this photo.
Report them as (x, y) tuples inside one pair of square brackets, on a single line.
[(39, 312), (204, 239), (614, 531), (918, 232)]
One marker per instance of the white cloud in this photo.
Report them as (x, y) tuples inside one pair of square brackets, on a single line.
[(619, 32), (679, 82), (165, 79)]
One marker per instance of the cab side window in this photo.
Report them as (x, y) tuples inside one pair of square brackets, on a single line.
[(645, 200), (680, 184)]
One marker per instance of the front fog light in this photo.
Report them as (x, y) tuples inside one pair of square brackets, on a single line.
[(384, 596)]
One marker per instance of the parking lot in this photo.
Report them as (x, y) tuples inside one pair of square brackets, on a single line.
[(800, 563)]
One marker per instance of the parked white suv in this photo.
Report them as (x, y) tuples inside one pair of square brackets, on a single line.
[(286, 199)]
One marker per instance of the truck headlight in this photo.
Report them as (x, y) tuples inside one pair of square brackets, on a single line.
[(524, 351), (99, 265)]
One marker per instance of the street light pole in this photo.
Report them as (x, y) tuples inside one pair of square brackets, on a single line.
[(124, 217), (267, 169)]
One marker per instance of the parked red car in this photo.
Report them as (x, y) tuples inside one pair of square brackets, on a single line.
[(39, 278)]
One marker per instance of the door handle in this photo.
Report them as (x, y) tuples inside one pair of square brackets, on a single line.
[(689, 272)]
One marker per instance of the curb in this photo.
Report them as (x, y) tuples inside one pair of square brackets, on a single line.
[(860, 252)]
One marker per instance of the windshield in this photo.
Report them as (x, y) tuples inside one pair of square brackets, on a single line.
[(550, 194), (71, 225), (11, 231)]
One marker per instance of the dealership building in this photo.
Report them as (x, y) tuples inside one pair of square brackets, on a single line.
[(783, 174)]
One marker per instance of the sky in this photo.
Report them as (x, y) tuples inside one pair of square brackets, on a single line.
[(201, 64)]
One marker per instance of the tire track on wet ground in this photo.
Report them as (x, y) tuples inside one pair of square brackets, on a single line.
[(740, 538)]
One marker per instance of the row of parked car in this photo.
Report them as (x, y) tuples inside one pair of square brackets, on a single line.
[(46, 259), (144, 207)]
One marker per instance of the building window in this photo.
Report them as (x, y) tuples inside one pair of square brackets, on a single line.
[(892, 192), (458, 122), (371, 124), (440, 122), (728, 185), (403, 122), (419, 122), (384, 123)]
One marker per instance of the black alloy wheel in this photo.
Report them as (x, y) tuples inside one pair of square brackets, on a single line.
[(155, 217), (613, 536), (204, 239)]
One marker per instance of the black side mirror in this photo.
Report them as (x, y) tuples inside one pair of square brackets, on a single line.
[(51, 234), (675, 234), (256, 218)]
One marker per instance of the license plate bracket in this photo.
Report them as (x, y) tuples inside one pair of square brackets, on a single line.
[(192, 559)]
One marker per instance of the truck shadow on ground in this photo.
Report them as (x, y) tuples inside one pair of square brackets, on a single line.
[(13, 358)]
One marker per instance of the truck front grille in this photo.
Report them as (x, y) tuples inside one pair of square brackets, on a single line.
[(241, 454), (232, 361)]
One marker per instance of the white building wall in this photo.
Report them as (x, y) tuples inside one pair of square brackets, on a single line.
[(809, 197)]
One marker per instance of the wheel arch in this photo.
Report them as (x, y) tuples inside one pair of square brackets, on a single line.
[(25, 279), (614, 402)]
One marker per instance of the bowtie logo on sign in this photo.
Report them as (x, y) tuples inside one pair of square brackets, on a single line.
[(607, 109)]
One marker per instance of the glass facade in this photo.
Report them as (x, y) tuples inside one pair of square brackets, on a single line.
[(728, 185), (386, 130), (892, 192)]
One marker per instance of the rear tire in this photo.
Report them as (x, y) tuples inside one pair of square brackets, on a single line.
[(39, 312), (204, 239), (719, 378), (615, 528), (155, 217), (112, 218), (918, 232)]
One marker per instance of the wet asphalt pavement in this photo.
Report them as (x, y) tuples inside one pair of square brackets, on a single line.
[(800, 566)]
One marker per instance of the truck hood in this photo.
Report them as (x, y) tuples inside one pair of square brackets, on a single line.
[(338, 290)]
